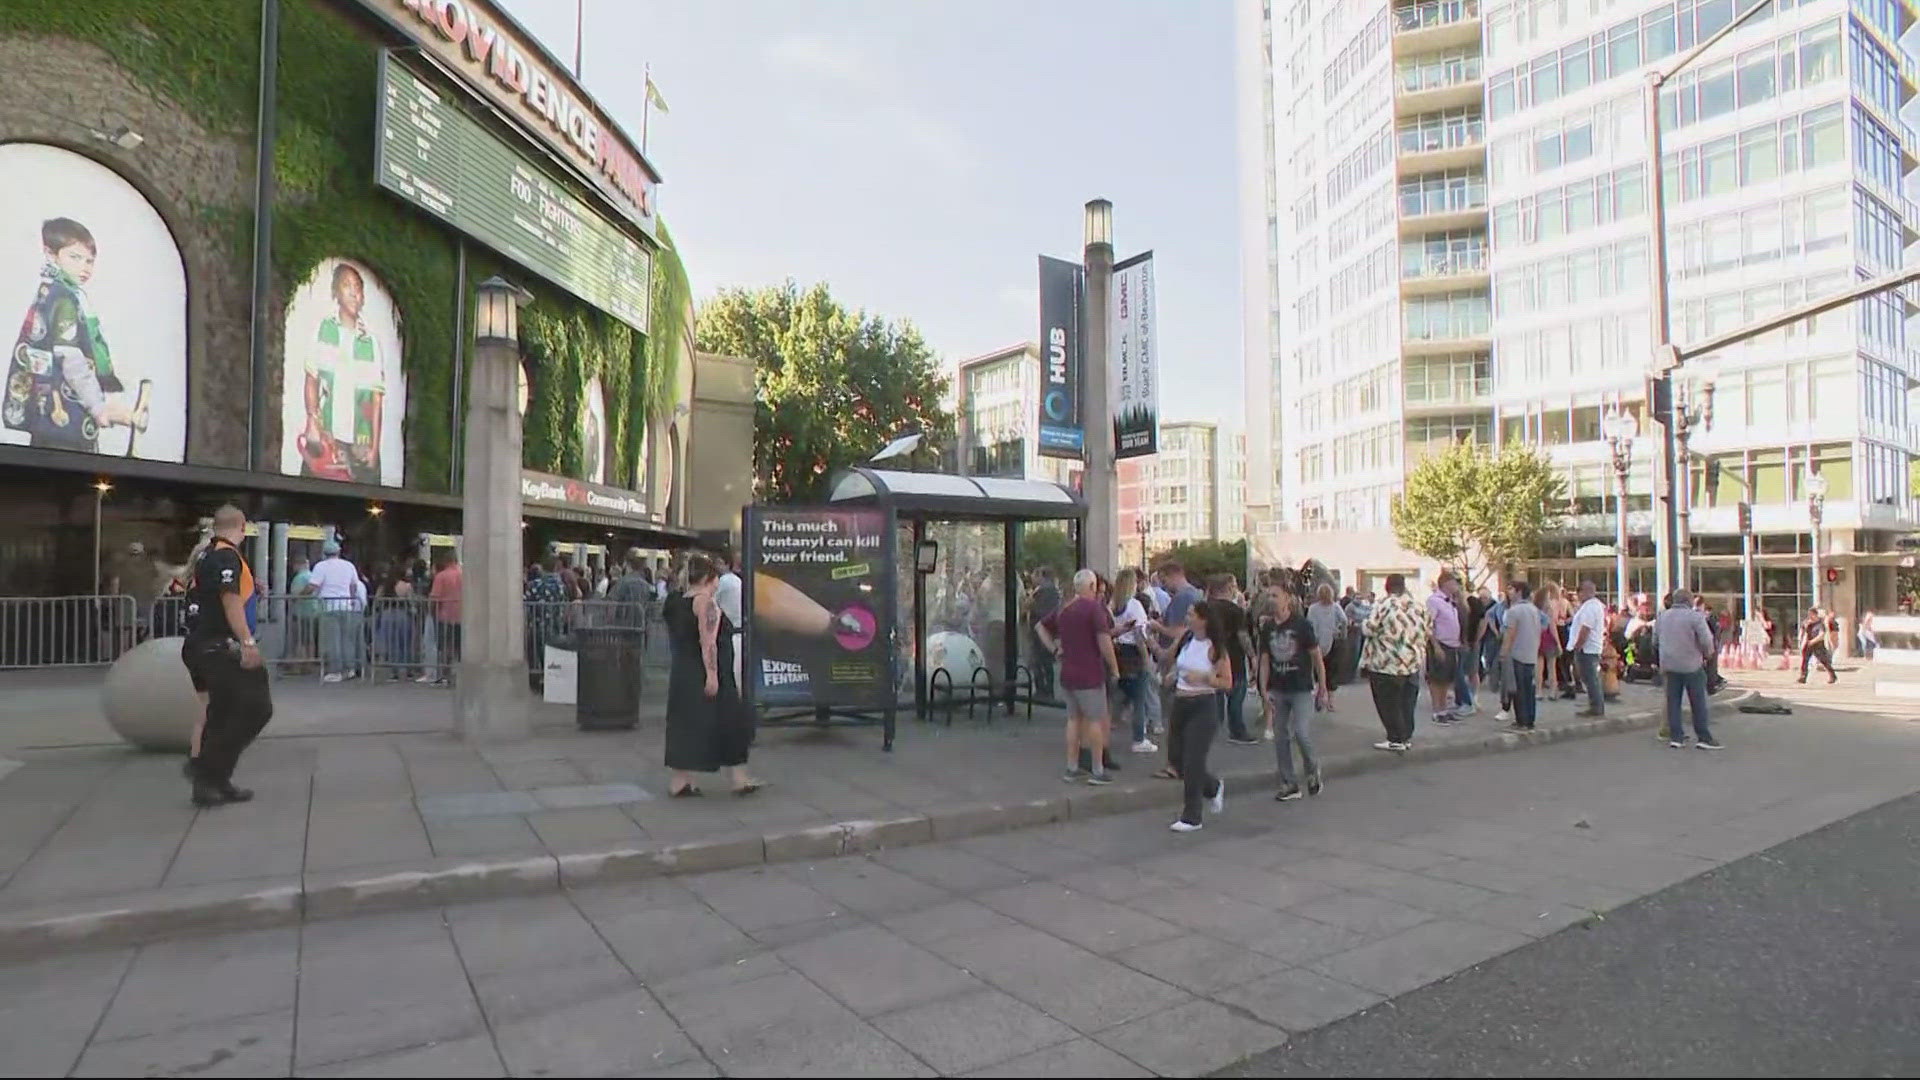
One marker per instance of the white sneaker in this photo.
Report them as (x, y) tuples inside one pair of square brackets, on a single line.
[(1399, 747), (1184, 826), (1219, 800), (1145, 746), (1504, 716), (335, 677), (1386, 745), (1269, 734), (425, 679)]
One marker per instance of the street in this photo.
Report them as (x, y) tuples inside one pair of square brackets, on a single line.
[(1798, 961), (1111, 947)]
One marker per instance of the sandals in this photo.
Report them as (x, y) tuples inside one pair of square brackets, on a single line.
[(1166, 774), (748, 789), (688, 792)]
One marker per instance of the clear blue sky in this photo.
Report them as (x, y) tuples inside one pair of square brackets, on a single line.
[(918, 155)]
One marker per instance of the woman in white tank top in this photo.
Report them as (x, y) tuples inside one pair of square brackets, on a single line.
[(1201, 671)]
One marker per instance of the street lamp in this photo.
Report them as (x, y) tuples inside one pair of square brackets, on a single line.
[(489, 700), (100, 489), (1096, 409), (1620, 429), (1816, 508), (1665, 356)]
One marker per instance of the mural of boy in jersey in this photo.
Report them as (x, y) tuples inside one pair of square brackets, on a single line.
[(344, 391), (61, 388)]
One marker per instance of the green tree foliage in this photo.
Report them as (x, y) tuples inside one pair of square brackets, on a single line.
[(1477, 511), (1202, 559), (1050, 546), (834, 385)]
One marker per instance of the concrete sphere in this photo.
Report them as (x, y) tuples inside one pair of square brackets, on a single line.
[(957, 653), (149, 697)]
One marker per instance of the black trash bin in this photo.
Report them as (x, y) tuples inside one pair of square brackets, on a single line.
[(608, 692)]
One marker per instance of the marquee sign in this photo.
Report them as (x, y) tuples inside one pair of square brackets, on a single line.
[(545, 489), (491, 54)]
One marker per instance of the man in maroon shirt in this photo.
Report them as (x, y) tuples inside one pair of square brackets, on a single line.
[(1081, 635)]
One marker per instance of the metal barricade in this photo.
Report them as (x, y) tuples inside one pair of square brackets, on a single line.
[(551, 622), (66, 631)]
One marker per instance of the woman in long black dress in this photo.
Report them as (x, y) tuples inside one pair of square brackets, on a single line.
[(708, 726)]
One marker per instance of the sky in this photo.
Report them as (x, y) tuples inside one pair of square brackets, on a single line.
[(918, 155)]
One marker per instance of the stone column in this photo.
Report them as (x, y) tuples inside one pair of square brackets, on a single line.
[(491, 698)]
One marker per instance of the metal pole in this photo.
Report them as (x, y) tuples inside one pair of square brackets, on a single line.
[(1667, 531), (1813, 510), (1096, 411), (1620, 531), (1746, 570), (99, 496)]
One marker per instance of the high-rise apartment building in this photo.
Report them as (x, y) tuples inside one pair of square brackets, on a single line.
[(995, 398), (1193, 489), (1459, 248)]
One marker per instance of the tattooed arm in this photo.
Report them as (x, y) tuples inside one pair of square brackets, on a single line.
[(709, 613)]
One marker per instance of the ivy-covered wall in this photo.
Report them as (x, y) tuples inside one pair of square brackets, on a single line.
[(199, 58)]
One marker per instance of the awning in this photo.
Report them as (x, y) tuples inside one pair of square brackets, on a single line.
[(947, 497)]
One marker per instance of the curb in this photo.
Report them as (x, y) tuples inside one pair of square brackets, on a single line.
[(289, 901)]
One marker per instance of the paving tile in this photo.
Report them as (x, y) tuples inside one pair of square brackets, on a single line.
[(872, 971), (972, 1030), (613, 1035), (648, 894), (1296, 940), (1498, 877), (522, 933), (494, 835), (668, 941), (363, 836), (708, 980), (1084, 991), (1026, 854), (1417, 956), (1086, 921), (1529, 915), (378, 985), (789, 934), (1428, 893), (1196, 907), (257, 1045), (585, 828), (1384, 853), (845, 1046), (1191, 1040), (471, 1056), (759, 897), (231, 975), (1298, 1000), (48, 1008), (1362, 913), (946, 920), (1590, 895), (1272, 889), (1115, 883), (1078, 1057), (725, 1017), (1199, 964), (866, 886), (524, 993), (951, 868)]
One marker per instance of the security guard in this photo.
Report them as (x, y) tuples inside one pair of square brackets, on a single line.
[(224, 660)]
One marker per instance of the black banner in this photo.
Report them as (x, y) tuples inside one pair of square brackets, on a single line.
[(1062, 433), (819, 595)]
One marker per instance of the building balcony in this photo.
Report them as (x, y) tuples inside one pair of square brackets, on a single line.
[(1437, 338), (1434, 25), (1424, 398), (1435, 207), (1430, 84), (1454, 144), (1443, 268)]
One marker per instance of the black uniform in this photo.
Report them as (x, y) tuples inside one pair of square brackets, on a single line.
[(239, 702)]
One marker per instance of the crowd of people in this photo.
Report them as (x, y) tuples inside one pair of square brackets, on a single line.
[(1170, 660)]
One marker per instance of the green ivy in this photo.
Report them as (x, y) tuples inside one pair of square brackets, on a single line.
[(204, 55)]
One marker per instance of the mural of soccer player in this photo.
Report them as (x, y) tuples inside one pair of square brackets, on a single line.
[(345, 390)]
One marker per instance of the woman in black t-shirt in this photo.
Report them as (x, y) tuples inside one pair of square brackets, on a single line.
[(1293, 686)]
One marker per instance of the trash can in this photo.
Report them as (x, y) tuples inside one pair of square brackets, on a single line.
[(609, 677)]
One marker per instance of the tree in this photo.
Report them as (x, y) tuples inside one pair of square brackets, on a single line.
[(834, 385), (1477, 511), (1049, 546), (1202, 559)]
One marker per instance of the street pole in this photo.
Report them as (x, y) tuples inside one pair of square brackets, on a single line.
[(100, 489), (1816, 509), (490, 701), (1096, 411), (1620, 535), (1746, 570)]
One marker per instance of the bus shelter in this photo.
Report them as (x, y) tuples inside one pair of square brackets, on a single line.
[(969, 551)]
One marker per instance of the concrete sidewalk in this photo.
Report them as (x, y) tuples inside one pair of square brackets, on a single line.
[(98, 843)]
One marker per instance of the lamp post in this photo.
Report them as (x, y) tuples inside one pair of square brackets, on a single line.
[(1665, 358), (1620, 429), (490, 700), (100, 489), (1816, 508), (1096, 410)]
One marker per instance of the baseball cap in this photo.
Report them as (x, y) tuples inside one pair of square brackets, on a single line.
[(331, 547)]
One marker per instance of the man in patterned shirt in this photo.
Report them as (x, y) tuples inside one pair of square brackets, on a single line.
[(1397, 632), (346, 389)]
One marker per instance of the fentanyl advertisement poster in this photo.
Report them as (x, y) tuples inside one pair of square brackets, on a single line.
[(820, 595), (97, 361)]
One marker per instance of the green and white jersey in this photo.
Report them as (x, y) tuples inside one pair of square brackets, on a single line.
[(348, 365)]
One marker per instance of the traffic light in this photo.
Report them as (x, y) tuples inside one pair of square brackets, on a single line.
[(1746, 518), (1660, 398)]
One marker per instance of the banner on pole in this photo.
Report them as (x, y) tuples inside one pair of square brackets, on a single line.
[(1062, 285), (1131, 369), (819, 593)]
